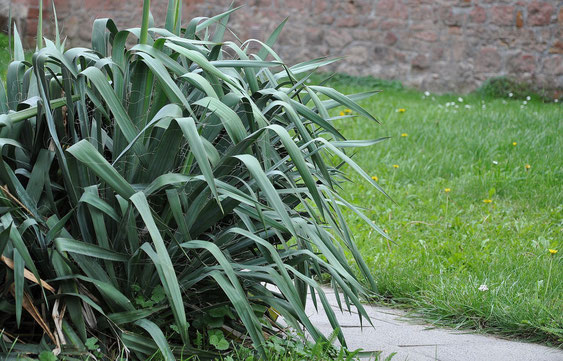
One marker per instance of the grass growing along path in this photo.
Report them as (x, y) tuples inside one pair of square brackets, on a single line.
[(478, 186)]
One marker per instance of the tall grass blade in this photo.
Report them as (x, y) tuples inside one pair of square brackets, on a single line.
[(164, 188)]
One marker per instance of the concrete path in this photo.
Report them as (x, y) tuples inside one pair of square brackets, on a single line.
[(414, 341)]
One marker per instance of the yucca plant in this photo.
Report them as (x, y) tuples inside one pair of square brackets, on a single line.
[(157, 194)]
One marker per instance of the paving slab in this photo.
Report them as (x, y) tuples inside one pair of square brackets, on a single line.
[(412, 340)]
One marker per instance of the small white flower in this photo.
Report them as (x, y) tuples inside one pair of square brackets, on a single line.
[(460, 99), (510, 95), (427, 93), (525, 102), (456, 106), (483, 106), (483, 288), (522, 107), (556, 101), (528, 98), (467, 106), (495, 162)]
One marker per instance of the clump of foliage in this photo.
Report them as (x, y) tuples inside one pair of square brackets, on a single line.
[(279, 349), (4, 55), (505, 87), (170, 197)]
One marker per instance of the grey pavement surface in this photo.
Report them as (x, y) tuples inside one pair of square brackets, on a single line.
[(415, 341)]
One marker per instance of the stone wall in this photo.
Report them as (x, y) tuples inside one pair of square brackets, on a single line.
[(437, 45)]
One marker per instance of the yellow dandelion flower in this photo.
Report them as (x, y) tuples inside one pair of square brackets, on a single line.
[(447, 190), (395, 166), (552, 251), (401, 110), (347, 111), (527, 166), (514, 143), (487, 200), (404, 135), (384, 230), (375, 178), (342, 114)]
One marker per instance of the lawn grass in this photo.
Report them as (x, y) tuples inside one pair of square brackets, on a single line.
[(447, 244), (4, 55)]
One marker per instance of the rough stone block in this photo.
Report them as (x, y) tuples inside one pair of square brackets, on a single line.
[(62, 6), (478, 15), (392, 24), (539, 13), (451, 16), (298, 4), (522, 63), (319, 6), (337, 38), (455, 30), (553, 65), (390, 56), (557, 47), (399, 56), (392, 9), (427, 35), (422, 12), (425, 31), (390, 38), (31, 27), (420, 62), (357, 55), (372, 24), (419, 2), (362, 34), (464, 2), (437, 53), (502, 15), (326, 19), (488, 60), (314, 34), (347, 21)]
